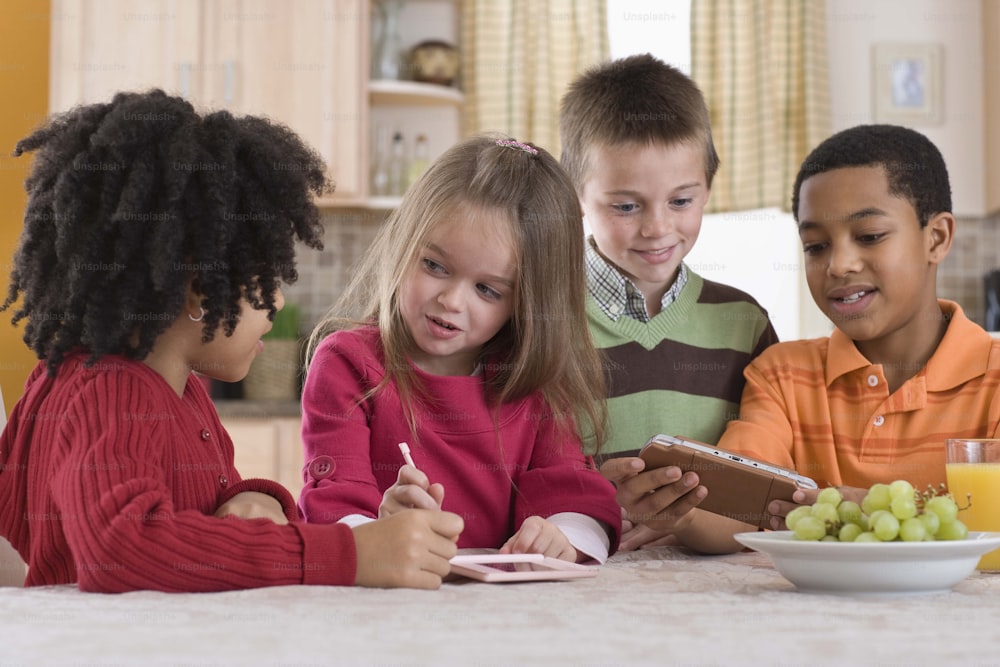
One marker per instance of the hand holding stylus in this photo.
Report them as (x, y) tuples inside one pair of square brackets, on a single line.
[(412, 489)]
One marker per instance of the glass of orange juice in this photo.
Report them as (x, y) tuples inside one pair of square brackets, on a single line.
[(973, 467)]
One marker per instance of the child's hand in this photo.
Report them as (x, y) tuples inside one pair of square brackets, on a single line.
[(779, 509), (411, 490), (410, 549), (253, 505), (539, 536), (660, 499)]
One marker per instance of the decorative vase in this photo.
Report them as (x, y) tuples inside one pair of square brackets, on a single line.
[(389, 47)]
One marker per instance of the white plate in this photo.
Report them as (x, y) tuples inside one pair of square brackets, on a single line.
[(876, 568)]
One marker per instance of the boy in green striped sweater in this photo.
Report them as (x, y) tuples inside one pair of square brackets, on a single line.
[(637, 142)]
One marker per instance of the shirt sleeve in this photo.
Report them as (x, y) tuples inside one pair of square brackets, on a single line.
[(560, 478), (587, 535), (116, 497), (336, 437), (763, 430)]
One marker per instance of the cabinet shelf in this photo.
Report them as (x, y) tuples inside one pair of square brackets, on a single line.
[(391, 92)]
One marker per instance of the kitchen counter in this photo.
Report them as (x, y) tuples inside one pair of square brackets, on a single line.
[(254, 409), (663, 606)]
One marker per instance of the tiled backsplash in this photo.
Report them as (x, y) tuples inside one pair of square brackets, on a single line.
[(323, 275), (976, 251)]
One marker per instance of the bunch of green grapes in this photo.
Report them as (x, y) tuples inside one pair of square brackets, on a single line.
[(889, 513)]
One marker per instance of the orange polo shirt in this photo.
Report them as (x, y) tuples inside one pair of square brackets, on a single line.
[(820, 407)]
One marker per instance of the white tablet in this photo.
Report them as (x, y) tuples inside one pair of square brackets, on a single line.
[(498, 568)]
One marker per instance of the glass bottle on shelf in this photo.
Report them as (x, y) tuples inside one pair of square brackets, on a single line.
[(397, 166), (389, 46), (380, 162), (421, 158)]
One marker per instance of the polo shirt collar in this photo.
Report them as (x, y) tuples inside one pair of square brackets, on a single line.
[(963, 353)]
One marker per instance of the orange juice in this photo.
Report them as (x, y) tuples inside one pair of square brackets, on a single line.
[(982, 480)]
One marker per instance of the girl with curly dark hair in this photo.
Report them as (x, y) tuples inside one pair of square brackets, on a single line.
[(155, 241)]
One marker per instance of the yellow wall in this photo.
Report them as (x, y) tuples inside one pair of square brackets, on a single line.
[(24, 89)]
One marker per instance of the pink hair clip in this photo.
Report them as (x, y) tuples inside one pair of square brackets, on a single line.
[(517, 145)]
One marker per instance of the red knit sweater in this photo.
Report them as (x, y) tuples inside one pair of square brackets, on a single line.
[(110, 480)]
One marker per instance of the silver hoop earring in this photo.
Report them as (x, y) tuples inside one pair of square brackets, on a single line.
[(200, 317)]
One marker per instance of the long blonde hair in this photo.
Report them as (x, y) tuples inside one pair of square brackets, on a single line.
[(546, 346)]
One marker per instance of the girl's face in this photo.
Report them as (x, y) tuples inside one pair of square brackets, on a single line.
[(229, 358), (460, 293)]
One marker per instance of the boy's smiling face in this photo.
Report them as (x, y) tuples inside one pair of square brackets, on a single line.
[(870, 266), (644, 205)]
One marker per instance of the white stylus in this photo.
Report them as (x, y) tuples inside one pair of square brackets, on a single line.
[(405, 449)]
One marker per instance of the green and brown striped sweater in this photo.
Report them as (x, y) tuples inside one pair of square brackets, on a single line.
[(681, 373)]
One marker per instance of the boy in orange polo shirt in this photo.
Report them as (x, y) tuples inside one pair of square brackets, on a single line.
[(903, 370)]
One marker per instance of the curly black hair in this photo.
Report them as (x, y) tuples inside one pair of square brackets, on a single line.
[(131, 201), (913, 165)]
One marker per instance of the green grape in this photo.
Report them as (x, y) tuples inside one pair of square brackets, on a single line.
[(830, 496), (901, 489), (809, 528), (850, 512), (903, 507), (873, 517), (944, 506), (952, 530), (825, 512), (866, 537), (829, 538), (886, 527), (931, 521), (849, 532), (878, 498), (792, 518), (912, 530)]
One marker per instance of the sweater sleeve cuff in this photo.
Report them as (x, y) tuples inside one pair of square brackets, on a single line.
[(265, 486), (329, 555)]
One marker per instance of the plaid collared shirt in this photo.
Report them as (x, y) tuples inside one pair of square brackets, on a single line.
[(617, 295)]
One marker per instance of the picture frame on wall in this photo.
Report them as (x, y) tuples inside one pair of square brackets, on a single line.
[(907, 83)]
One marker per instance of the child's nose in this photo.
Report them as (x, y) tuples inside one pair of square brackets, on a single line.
[(658, 223), (450, 298), (843, 260)]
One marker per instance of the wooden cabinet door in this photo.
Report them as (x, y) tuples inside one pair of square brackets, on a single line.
[(302, 64), (100, 47), (255, 442)]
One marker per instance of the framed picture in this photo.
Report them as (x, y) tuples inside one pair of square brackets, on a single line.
[(907, 83)]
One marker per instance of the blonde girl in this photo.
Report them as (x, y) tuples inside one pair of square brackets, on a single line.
[(469, 342)]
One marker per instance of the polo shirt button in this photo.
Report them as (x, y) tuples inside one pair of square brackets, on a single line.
[(879, 420), (205, 435), (223, 481), (322, 467), (872, 380)]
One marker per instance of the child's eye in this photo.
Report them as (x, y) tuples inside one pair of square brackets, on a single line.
[(868, 239), (488, 292), (625, 208), (432, 266), (813, 248), (681, 203)]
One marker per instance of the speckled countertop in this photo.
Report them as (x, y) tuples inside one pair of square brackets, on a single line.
[(257, 409)]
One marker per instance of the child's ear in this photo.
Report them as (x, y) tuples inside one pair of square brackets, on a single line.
[(193, 298), (940, 232)]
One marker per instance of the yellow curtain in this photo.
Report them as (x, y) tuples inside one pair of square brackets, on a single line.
[(762, 66), (519, 57)]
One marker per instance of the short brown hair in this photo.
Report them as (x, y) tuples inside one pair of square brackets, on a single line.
[(638, 99)]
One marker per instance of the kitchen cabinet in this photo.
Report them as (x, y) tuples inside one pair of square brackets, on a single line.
[(410, 107), (304, 64), (268, 447)]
